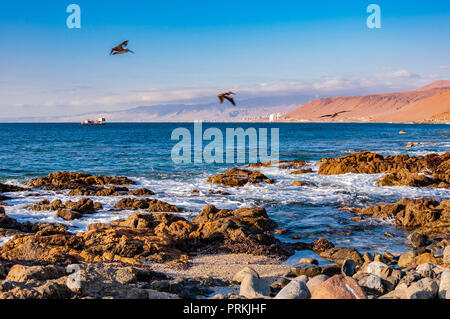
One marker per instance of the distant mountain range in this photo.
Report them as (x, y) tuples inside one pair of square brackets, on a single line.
[(182, 112), (428, 104)]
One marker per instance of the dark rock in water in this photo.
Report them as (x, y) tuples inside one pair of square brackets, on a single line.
[(405, 178), (2, 198), (73, 180), (152, 205), (425, 215), (69, 210), (348, 267), (370, 163), (6, 188), (321, 245), (68, 214), (141, 192), (417, 240), (239, 177), (2, 212)]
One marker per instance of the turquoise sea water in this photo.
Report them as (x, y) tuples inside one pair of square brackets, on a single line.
[(143, 152)]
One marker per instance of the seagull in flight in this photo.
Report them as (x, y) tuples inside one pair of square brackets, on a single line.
[(227, 96), (334, 114), (120, 49)]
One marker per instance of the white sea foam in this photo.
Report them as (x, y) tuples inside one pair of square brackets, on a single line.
[(330, 191)]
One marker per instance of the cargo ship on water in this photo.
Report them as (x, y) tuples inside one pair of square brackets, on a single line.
[(99, 121)]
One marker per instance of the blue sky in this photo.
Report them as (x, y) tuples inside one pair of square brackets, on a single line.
[(188, 50)]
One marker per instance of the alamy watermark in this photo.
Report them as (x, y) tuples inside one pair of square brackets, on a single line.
[(374, 20), (190, 149), (74, 19), (74, 279)]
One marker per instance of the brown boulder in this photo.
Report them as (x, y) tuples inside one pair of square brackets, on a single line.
[(6, 188), (405, 178), (239, 177), (68, 214), (321, 245), (339, 287), (340, 255), (73, 180), (425, 215), (141, 192), (371, 163), (152, 205)]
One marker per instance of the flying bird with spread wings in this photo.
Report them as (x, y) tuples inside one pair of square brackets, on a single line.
[(333, 115), (120, 49), (227, 96)]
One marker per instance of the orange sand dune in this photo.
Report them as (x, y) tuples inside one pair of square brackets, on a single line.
[(427, 104)]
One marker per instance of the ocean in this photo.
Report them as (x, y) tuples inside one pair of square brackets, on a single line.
[(142, 151)]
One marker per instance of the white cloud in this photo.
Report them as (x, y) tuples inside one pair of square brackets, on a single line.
[(401, 74), (443, 67)]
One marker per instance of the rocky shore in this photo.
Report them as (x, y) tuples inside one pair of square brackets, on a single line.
[(223, 253)]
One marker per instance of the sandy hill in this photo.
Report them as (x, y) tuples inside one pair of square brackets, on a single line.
[(430, 103)]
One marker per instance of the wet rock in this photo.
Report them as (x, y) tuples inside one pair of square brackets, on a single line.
[(340, 255), (239, 276), (315, 282), (444, 286), (294, 290), (7, 188), (68, 214), (339, 287), (370, 163), (321, 245), (253, 287), (426, 215), (239, 177), (2, 211), (72, 180), (348, 267), (83, 206), (405, 178), (141, 192), (151, 205), (69, 210)]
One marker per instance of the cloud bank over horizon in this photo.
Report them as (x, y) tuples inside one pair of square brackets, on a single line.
[(84, 99)]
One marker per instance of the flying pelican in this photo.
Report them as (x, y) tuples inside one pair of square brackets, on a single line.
[(120, 49), (227, 96), (334, 114)]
